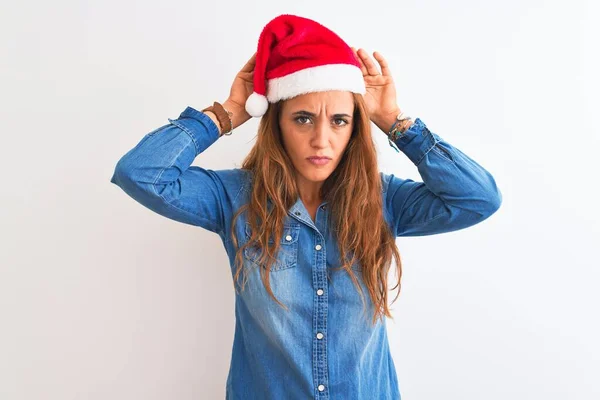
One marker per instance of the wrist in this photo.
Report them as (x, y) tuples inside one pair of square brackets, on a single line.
[(228, 115), (214, 118), (239, 112), (385, 121)]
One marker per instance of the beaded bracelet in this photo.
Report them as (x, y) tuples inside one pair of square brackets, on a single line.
[(395, 131)]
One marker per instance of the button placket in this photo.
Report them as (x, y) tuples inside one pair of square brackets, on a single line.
[(321, 311)]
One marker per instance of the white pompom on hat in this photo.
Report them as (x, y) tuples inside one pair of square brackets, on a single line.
[(297, 55)]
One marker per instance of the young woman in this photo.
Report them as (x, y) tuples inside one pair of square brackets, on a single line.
[(308, 222)]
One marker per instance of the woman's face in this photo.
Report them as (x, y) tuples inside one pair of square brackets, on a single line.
[(316, 124)]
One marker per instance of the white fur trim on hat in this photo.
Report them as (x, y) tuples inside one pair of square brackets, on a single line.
[(316, 79)]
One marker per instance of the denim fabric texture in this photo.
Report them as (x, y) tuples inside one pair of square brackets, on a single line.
[(324, 347)]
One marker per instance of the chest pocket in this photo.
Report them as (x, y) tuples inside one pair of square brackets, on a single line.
[(287, 256)]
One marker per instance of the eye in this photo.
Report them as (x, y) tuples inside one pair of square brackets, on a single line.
[(343, 120), (343, 123), (301, 117)]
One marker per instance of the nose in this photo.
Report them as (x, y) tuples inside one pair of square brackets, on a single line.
[(322, 131)]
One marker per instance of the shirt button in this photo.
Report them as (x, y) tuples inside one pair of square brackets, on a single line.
[(318, 247), (319, 335), (320, 292), (321, 388), (288, 237)]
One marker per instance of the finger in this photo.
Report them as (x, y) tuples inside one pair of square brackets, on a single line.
[(385, 68), (250, 64), (363, 68), (371, 67)]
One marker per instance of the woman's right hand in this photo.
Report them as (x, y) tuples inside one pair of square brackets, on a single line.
[(241, 89)]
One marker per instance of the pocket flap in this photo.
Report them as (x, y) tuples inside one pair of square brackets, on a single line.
[(290, 233)]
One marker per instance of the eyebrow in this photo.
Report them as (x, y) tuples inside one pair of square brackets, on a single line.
[(304, 112)]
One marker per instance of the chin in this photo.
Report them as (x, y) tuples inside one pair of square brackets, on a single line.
[(317, 176)]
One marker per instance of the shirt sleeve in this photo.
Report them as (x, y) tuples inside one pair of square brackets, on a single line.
[(456, 191), (157, 173)]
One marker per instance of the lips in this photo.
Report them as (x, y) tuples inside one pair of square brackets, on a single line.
[(318, 160)]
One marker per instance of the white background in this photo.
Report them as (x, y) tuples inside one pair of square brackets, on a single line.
[(102, 299)]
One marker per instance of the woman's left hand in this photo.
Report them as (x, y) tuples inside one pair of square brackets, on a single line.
[(380, 98)]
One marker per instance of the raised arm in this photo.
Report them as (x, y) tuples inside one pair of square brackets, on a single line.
[(157, 173), (456, 191)]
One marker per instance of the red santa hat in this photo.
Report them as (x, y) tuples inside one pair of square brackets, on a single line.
[(297, 55)]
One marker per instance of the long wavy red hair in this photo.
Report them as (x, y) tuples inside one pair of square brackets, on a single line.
[(353, 192)]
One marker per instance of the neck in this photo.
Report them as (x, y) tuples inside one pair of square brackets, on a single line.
[(309, 192)]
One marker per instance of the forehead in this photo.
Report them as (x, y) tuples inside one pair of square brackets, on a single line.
[(333, 101)]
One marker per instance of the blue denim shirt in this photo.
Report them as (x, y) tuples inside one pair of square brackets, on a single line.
[(325, 346)]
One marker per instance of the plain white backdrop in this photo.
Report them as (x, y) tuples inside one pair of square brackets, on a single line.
[(102, 299)]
